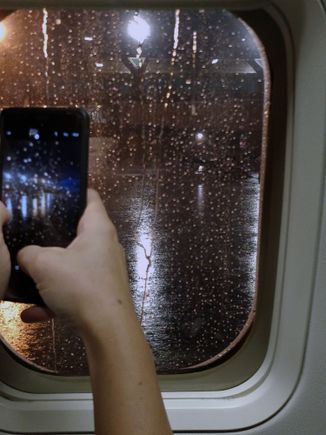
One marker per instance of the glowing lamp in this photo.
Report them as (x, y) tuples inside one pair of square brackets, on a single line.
[(139, 29)]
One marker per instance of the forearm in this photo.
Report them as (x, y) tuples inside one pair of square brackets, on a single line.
[(127, 398)]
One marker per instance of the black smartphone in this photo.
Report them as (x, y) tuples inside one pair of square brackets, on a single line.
[(43, 182)]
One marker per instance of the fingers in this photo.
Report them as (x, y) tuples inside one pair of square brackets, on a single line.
[(4, 214), (36, 314), (95, 218), (28, 258), (4, 217)]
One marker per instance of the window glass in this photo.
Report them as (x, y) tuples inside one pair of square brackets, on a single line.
[(178, 103)]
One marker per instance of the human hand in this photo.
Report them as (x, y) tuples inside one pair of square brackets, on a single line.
[(87, 282), (81, 281), (4, 253)]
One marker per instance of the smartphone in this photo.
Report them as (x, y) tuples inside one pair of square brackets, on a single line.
[(43, 183)]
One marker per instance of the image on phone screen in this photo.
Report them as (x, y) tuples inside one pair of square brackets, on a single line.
[(43, 178)]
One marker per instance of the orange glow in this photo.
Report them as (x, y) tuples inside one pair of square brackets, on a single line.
[(10, 321)]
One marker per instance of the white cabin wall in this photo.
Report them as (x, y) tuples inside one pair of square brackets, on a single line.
[(304, 413)]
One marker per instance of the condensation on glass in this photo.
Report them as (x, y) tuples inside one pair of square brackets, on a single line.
[(179, 105)]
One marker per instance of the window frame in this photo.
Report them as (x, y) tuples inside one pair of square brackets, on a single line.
[(237, 367), (266, 391)]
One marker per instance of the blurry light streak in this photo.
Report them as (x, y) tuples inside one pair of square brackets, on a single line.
[(23, 206), (194, 55), (34, 207), (201, 197), (9, 205), (176, 33), (43, 205), (194, 46), (45, 33), (48, 200), (3, 32), (174, 55)]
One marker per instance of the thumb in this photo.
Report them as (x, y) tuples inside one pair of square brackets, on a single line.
[(94, 218), (36, 314), (36, 260), (28, 257)]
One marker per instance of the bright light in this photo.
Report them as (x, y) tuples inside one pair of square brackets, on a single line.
[(200, 138), (139, 29), (7, 176), (3, 32)]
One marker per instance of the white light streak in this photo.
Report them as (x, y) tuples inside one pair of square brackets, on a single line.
[(23, 206), (45, 33), (194, 43), (176, 29)]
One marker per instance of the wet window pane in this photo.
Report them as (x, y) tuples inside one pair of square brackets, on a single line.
[(178, 102)]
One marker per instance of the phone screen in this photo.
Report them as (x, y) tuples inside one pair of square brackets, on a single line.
[(43, 180)]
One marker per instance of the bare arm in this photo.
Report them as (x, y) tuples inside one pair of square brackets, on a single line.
[(88, 284), (126, 393)]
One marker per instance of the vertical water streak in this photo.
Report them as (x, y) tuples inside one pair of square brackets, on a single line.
[(148, 256), (45, 50), (45, 33), (194, 56), (173, 57), (176, 34)]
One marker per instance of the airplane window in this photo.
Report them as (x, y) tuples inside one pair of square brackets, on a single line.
[(178, 101)]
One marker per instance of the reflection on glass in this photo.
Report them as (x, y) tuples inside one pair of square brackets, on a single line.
[(177, 100), (3, 32)]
